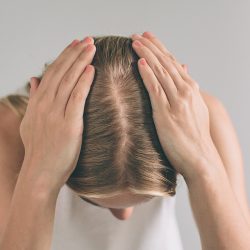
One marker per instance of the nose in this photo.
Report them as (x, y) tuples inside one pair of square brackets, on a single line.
[(122, 214)]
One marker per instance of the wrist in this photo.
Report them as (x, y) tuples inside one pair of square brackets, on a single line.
[(205, 170), (206, 164), (37, 182)]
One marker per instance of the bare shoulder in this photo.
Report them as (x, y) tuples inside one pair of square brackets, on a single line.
[(220, 118), (217, 110), (11, 157), (9, 126), (211, 100), (11, 146)]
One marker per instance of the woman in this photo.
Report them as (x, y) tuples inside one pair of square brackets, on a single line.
[(116, 156)]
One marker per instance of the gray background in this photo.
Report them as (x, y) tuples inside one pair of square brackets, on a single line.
[(212, 37)]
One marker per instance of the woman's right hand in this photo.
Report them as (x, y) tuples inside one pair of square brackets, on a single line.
[(52, 127)]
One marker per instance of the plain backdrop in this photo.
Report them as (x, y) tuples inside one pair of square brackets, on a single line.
[(211, 37)]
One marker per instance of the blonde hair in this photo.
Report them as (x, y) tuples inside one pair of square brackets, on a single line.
[(121, 150)]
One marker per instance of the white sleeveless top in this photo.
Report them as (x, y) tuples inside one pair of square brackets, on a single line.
[(79, 225)]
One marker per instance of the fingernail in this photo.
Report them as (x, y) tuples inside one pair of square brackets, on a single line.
[(143, 61), (137, 43), (87, 39), (184, 66), (76, 41), (148, 34)]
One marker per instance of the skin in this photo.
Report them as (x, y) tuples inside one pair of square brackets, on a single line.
[(121, 206), (182, 121)]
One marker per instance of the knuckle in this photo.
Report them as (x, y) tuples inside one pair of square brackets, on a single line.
[(172, 57), (160, 70), (68, 78), (77, 95), (181, 105), (171, 67), (187, 92), (174, 71), (155, 89), (168, 57), (56, 68)]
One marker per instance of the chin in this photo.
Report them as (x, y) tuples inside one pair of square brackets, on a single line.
[(122, 214)]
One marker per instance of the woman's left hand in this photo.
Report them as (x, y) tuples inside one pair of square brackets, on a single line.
[(180, 114)]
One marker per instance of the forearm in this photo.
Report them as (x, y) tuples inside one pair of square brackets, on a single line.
[(31, 217), (217, 214)]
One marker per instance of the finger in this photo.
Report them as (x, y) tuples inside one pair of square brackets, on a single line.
[(76, 103), (185, 67), (156, 66), (162, 57), (155, 42), (158, 43), (57, 69), (183, 72), (149, 37), (166, 83), (72, 76), (37, 80), (158, 98), (34, 82)]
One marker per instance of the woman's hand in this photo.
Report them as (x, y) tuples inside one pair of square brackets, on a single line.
[(52, 127), (180, 114)]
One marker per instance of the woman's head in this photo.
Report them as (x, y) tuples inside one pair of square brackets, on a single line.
[(121, 152), (121, 162)]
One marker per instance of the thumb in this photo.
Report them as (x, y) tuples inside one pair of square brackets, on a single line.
[(34, 83)]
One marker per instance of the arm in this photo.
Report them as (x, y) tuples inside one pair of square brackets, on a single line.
[(225, 139), (47, 165), (215, 209), (182, 122), (30, 222)]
